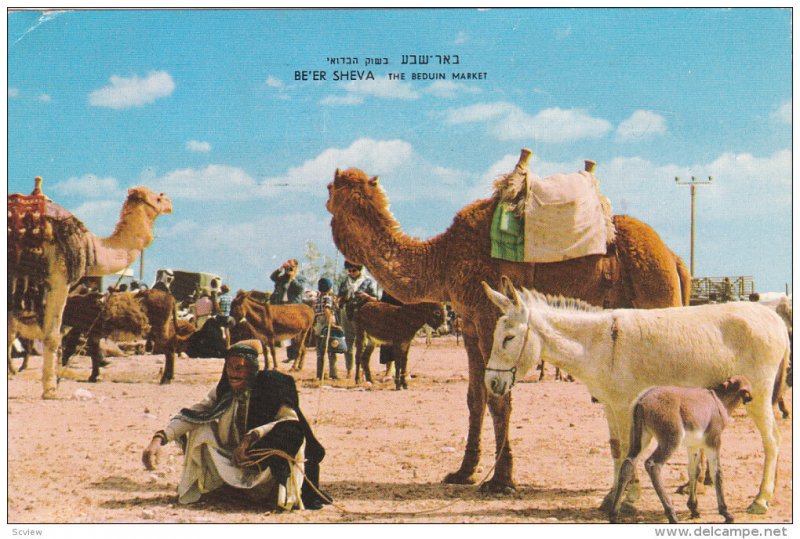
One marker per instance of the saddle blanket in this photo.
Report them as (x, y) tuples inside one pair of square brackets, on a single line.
[(564, 218)]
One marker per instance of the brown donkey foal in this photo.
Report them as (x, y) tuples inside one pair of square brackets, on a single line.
[(675, 416), (396, 325)]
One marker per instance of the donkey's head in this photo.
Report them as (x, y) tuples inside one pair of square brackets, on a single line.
[(515, 348), (734, 390)]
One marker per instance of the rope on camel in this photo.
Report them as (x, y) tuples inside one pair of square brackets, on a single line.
[(259, 455)]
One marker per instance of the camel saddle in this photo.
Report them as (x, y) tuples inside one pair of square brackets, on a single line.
[(550, 219), (29, 226)]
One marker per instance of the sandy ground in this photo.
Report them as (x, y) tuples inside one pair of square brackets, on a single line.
[(77, 459)]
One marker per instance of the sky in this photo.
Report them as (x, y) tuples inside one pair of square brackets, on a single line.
[(211, 107)]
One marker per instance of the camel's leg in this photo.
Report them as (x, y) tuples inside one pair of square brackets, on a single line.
[(503, 480), (10, 335), (713, 465), (666, 447), (500, 410), (476, 402), (694, 473), (541, 370), (55, 299), (11, 370), (760, 410)]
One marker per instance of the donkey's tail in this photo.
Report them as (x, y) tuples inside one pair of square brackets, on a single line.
[(636, 431)]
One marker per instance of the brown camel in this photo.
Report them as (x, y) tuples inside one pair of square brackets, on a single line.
[(52, 250), (638, 271), (97, 316)]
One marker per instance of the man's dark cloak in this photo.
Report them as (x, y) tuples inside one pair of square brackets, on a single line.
[(270, 390)]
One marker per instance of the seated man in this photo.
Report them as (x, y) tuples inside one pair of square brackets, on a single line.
[(247, 410)]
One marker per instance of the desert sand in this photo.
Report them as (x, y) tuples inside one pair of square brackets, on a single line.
[(77, 459)]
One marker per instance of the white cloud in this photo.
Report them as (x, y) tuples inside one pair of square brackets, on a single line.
[(198, 146), (88, 186), (461, 38), (341, 100), (551, 125), (563, 33), (449, 89), (214, 182), (783, 113), (13, 92), (381, 87), (272, 82), (480, 112), (201, 244), (448, 176), (125, 93), (642, 124), (44, 98), (372, 156), (506, 121)]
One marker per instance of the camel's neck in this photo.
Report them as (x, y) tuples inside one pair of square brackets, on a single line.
[(406, 267), (131, 236), (570, 341)]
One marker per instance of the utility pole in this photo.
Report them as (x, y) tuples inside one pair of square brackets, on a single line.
[(692, 186)]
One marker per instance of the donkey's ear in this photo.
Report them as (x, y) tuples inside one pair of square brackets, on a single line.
[(336, 174), (373, 181), (507, 287), (497, 298)]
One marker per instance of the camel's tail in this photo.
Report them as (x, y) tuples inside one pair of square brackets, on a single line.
[(685, 278)]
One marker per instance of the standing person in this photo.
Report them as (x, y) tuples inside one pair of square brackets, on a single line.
[(355, 290), (203, 307), (248, 409), (289, 288), (223, 307), (325, 317), (165, 280)]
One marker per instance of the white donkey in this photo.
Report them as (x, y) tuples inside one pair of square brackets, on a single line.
[(619, 353)]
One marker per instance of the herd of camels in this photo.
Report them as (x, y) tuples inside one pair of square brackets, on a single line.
[(638, 270)]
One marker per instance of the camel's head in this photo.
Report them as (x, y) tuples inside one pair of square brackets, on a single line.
[(160, 202), (352, 186)]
